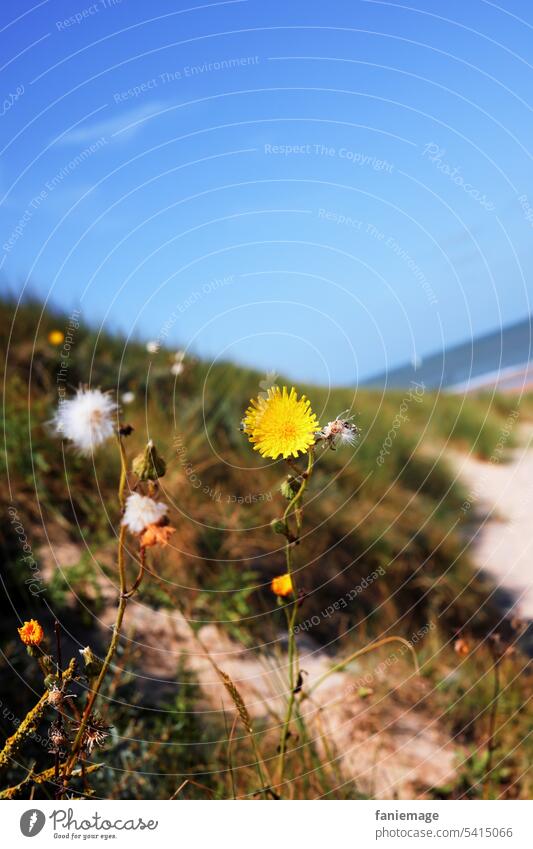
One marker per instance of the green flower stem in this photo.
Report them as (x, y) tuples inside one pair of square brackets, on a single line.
[(123, 601), (140, 574), (40, 778), (30, 723), (123, 473), (293, 507), (338, 667), (491, 742)]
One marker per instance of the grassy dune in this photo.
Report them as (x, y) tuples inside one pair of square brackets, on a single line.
[(390, 508)]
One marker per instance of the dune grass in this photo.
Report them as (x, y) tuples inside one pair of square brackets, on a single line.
[(392, 508)]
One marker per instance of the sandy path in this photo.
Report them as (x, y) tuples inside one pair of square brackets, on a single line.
[(503, 545)]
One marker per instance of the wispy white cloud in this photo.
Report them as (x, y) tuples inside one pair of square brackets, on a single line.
[(131, 120)]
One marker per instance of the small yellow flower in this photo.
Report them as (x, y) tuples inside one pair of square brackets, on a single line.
[(280, 423), (31, 633), (282, 585), (56, 337)]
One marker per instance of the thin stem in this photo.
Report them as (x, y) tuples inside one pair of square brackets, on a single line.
[(123, 473), (123, 601), (59, 659), (261, 767), (57, 629), (97, 687), (140, 574), (343, 663), (491, 742), (30, 722), (292, 612)]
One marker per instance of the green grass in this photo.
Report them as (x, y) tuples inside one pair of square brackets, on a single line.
[(401, 515)]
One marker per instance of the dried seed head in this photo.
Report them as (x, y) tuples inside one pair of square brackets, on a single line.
[(55, 697), (339, 432), (95, 733), (57, 737)]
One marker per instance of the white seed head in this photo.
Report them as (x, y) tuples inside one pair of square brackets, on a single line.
[(340, 432), (86, 419), (142, 511)]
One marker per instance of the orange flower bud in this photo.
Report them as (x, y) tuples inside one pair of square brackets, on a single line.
[(461, 647), (282, 585), (31, 633), (56, 337)]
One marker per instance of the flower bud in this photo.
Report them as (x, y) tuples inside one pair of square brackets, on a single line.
[(47, 664), (93, 665), (279, 527), (289, 487), (149, 466)]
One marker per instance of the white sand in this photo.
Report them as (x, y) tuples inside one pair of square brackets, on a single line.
[(503, 546)]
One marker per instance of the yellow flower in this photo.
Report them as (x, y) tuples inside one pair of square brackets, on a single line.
[(280, 423), (282, 585), (31, 633), (56, 337)]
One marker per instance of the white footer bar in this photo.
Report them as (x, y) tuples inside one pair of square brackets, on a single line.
[(268, 825)]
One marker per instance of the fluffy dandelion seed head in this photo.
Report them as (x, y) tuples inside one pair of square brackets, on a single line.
[(280, 423), (282, 585), (31, 633), (177, 368), (340, 432), (142, 511), (87, 419), (128, 397), (153, 346)]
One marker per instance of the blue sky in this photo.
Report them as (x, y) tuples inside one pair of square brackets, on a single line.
[(325, 190)]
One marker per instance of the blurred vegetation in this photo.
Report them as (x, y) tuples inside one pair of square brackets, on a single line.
[(402, 515)]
